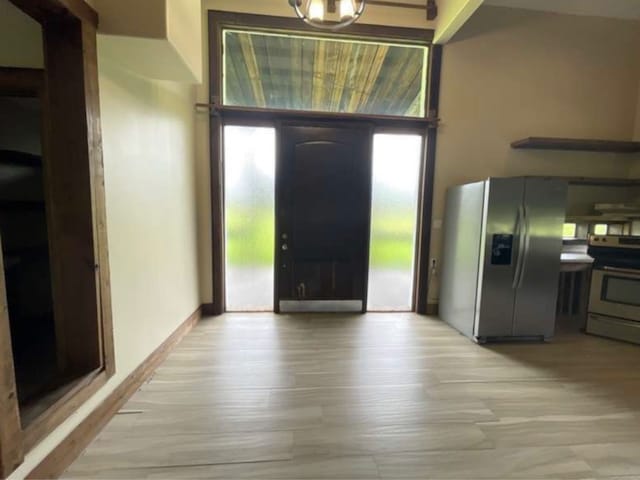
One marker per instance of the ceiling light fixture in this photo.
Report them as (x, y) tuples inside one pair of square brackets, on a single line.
[(326, 15)]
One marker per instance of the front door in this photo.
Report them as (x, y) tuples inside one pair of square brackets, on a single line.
[(323, 200)]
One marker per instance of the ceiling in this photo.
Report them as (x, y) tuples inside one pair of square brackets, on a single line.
[(626, 9)]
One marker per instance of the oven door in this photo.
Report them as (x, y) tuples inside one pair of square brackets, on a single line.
[(615, 292)]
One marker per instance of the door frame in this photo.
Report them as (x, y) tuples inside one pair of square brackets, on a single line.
[(221, 116)]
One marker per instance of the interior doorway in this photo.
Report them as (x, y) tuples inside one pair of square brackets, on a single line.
[(25, 252), (55, 319)]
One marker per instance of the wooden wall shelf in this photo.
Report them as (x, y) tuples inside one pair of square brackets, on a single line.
[(576, 144), (601, 218)]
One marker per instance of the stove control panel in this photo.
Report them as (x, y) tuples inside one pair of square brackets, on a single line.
[(615, 241)]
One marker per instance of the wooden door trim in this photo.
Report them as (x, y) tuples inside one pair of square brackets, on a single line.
[(11, 448), (225, 115), (426, 189), (72, 144), (270, 115), (218, 303), (220, 19)]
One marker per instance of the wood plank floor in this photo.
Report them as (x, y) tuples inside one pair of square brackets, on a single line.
[(389, 396)]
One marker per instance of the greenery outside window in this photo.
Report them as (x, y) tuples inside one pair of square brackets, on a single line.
[(569, 230), (601, 229)]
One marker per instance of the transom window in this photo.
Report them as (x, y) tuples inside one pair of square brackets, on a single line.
[(285, 71)]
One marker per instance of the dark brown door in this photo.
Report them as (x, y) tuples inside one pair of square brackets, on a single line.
[(323, 197)]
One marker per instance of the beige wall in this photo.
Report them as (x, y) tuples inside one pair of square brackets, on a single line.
[(15, 24), (140, 18), (511, 74), (184, 24), (374, 14), (582, 198), (159, 39), (452, 15), (148, 141)]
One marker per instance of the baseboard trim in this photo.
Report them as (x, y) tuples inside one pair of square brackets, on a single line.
[(210, 310), (74, 444), (433, 309)]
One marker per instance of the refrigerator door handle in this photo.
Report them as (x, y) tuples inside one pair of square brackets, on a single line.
[(521, 237), (527, 244)]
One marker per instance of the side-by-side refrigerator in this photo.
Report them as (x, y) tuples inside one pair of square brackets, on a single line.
[(501, 263)]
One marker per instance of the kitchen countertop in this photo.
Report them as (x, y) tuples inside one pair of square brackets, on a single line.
[(575, 258)]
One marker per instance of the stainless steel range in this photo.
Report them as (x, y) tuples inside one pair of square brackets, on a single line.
[(614, 303)]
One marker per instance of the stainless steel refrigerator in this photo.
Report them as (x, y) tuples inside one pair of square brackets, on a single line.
[(501, 263)]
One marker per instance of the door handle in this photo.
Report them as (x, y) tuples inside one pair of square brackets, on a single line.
[(527, 245), (628, 271), (519, 231)]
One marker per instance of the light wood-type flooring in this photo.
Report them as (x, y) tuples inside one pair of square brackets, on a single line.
[(392, 396)]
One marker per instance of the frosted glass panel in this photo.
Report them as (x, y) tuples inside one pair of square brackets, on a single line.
[(249, 164), (396, 172)]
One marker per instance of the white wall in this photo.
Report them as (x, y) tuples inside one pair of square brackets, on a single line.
[(149, 163), (510, 74)]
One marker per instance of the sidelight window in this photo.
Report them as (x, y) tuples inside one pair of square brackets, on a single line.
[(394, 213), (249, 165)]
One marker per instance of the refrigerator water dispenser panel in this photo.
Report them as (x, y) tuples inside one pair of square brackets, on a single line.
[(502, 249)]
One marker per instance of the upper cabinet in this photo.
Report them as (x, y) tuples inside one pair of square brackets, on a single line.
[(160, 39)]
